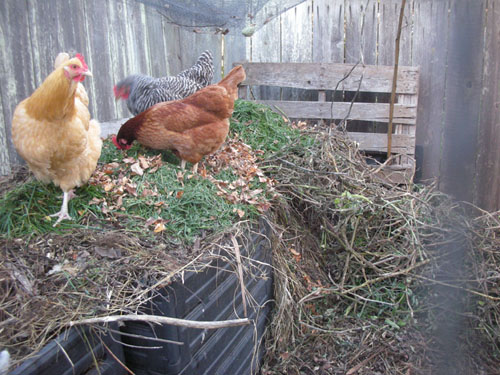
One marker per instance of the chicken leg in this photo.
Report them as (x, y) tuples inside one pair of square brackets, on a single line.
[(183, 166), (63, 213)]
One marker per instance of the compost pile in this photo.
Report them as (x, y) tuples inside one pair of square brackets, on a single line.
[(141, 222), (357, 261), (359, 283)]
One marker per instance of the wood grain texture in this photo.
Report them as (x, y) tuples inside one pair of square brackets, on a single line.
[(296, 36), (326, 76), (431, 34), (389, 17), (487, 192), (5, 167), (403, 114), (234, 50), (328, 31), (323, 76), (100, 86), (361, 31), (16, 68), (372, 142), (462, 92), (266, 46)]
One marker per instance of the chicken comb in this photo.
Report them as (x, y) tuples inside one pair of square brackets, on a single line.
[(82, 60)]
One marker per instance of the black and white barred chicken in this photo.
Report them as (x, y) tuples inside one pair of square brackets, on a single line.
[(142, 91)]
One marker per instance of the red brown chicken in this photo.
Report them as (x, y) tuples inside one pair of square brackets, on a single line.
[(191, 127)]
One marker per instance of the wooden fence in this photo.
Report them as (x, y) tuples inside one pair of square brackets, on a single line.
[(455, 44), (116, 37)]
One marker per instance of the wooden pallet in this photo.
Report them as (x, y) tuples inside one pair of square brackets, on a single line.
[(322, 77)]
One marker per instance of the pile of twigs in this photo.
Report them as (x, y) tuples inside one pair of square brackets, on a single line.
[(484, 263), (357, 264)]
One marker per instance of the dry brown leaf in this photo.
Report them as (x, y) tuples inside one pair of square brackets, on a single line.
[(129, 160), (147, 193), (240, 212), (131, 189), (95, 200), (160, 227), (119, 201), (143, 162), (150, 221), (136, 168), (109, 186), (179, 194)]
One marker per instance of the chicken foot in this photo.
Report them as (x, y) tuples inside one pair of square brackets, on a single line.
[(183, 166), (63, 213)]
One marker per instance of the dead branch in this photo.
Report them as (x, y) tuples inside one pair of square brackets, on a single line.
[(163, 320)]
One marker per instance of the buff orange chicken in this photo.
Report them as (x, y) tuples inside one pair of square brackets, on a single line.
[(52, 130)]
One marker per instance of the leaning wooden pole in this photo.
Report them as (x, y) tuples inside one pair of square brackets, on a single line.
[(394, 80)]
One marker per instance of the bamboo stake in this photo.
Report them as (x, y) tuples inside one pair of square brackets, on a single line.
[(394, 80)]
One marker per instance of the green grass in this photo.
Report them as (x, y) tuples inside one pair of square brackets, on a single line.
[(189, 207), (263, 129), (24, 210)]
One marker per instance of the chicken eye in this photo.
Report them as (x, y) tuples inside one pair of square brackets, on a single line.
[(74, 66)]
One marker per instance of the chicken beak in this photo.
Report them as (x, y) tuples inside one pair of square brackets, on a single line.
[(87, 73)]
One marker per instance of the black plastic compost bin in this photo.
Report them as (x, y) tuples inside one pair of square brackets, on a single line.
[(211, 295), (77, 351)]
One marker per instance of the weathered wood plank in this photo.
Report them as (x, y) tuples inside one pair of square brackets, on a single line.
[(463, 88), (4, 149), (171, 40), (361, 44), (234, 50), (296, 37), (16, 72), (389, 17), (402, 128), (296, 33), (323, 76), (328, 31), (487, 193), (431, 33), (44, 39), (157, 53), (199, 42), (100, 86), (265, 46), (375, 142), (138, 43), (361, 31), (403, 114), (118, 46)]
